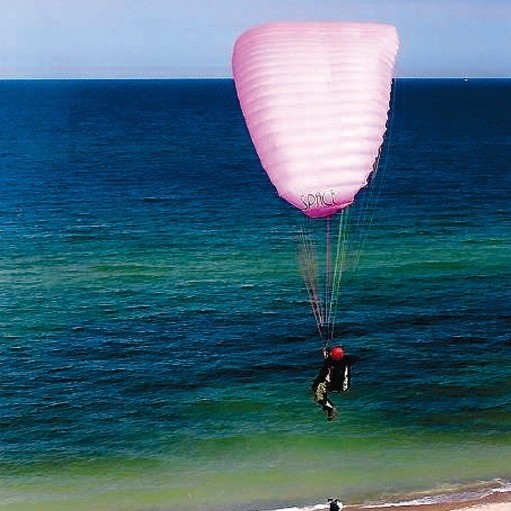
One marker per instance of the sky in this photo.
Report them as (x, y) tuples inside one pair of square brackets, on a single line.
[(194, 38)]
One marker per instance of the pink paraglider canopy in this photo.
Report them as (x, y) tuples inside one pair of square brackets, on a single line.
[(315, 97)]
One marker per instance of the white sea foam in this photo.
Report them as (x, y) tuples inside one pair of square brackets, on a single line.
[(317, 507), (454, 496)]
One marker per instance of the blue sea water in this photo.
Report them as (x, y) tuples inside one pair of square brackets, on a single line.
[(156, 342)]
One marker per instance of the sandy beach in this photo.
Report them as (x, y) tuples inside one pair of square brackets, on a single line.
[(496, 503), (490, 506)]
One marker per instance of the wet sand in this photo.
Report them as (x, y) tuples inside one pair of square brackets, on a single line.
[(479, 497), (494, 502)]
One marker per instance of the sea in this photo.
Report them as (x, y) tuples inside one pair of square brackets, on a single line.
[(156, 341)]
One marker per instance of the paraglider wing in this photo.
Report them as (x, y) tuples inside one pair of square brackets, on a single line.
[(315, 97)]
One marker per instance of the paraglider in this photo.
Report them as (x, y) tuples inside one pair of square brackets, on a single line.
[(315, 98)]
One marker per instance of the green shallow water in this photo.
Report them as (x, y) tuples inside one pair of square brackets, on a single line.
[(257, 473)]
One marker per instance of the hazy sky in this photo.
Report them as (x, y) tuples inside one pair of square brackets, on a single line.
[(167, 38)]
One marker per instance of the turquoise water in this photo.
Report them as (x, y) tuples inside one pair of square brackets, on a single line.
[(156, 341)]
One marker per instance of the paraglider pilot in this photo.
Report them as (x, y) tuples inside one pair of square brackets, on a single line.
[(334, 376)]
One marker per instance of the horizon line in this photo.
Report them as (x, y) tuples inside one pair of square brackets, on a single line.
[(106, 78)]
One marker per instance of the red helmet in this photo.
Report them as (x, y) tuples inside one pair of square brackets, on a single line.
[(336, 353)]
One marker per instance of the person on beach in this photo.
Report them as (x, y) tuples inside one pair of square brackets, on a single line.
[(334, 376), (335, 505)]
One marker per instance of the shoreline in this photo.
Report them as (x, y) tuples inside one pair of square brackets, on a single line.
[(493, 495), (495, 502), (482, 496)]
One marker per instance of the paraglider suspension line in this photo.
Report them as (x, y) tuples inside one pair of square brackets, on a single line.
[(308, 266), (322, 271), (328, 277)]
